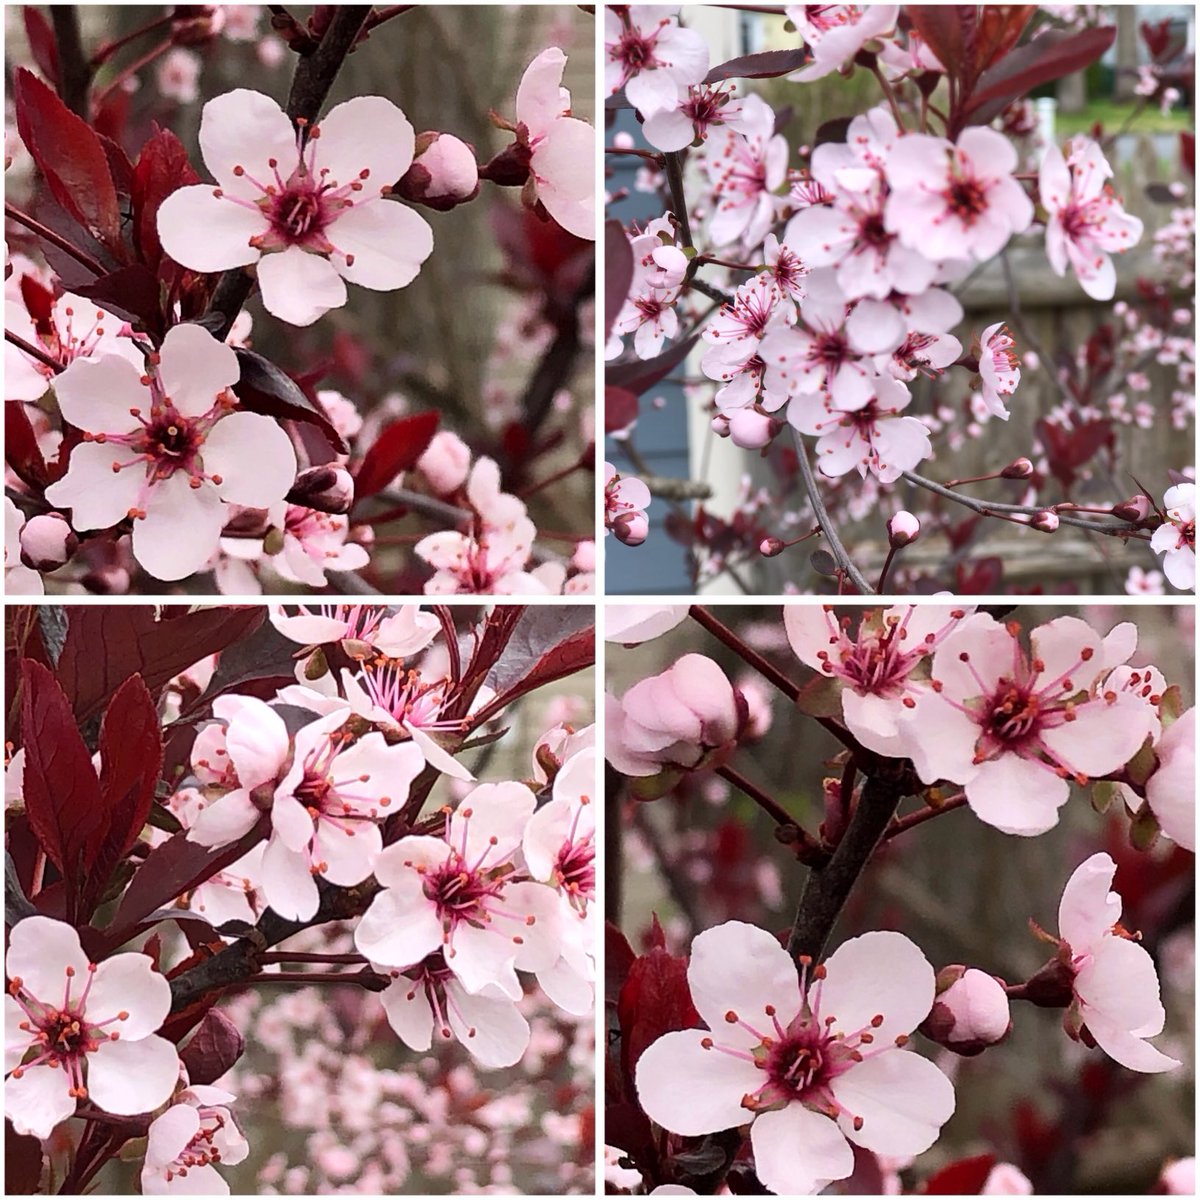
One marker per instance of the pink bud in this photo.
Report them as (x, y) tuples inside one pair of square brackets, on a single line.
[(903, 528), (326, 488), (1019, 468), (443, 174), (445, 463), (631, 527), (584, 558), (750, 429), (770, 546), (1006, 1180), (1046, 521), (47, 541), (970, 1012), (720, 425), (1136, 508)]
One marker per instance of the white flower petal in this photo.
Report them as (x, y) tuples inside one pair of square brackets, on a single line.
[(128, 983), (132, 1077), (299, 288), (209, 233), (195, 368), (366, 133), (181, 529), (387, 240), (796, 1149), (96, 395), (254, 458)]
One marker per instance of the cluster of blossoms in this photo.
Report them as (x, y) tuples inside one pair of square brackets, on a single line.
[(171, 454), (814, 1061), (625, 503), (480, 916), (858, 259)]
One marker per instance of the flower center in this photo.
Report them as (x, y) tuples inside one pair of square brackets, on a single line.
[(967, 198), (1013, 714), (872, 233), (635, 51), (575, 870), (297, 214), (314, 791)]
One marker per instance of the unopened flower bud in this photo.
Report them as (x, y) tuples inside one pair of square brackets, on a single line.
[(631, 528), (445, 463), (47, 541), (752, 430), (1019, 468), (970, 1012), (1135, 509), (1006, 1180), (770, 546), (903, 528), (443, 174), (720, 425), (327, 488), (1045, 520)]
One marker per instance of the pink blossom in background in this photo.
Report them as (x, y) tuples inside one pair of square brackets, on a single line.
[(626, 499), (651, 57), (307, 207), (1087, 222), (1175, 538), (999, 370), (835, 33)]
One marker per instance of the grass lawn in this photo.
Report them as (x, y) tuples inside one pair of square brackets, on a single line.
[(1113, 114)]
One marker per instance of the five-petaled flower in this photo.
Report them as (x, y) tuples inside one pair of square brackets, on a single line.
[(307, 205), (78, 1030), (168, 450), (815, 1059)]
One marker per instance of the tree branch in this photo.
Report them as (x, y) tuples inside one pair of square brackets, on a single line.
[(673, 168), (827, 888), (314, 77), (841, 557)]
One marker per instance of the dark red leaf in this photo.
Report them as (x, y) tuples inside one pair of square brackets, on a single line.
[(130, 763), (833, 130), (119, 165), (106, 644), (965, 1177), (70, 156), (654, 1000), (1042, 60), (265, 388), (638, 377), (162, 168), (21, 449), (172, 868), (998, 30), (548, 642), (396, 449), (1187, 151), (22, 1157), (942, 28), (42, 45), (618, 272), (62, 794), (215, 1046), (133, 293), (620, 409), (769, 64), (618, 959)]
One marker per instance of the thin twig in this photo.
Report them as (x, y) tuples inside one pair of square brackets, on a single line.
[(913, 819), (841, 557), (33, 351), (768, 804), (673, 167), (55, 239), (771, 673)]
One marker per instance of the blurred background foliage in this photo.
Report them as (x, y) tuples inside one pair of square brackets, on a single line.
[(965, 892)]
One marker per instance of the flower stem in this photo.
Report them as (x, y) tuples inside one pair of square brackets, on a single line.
[(33, 351), (48, 235), (913, 819), (725, 635), (768, 804)]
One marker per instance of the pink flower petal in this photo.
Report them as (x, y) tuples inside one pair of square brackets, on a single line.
[(181, 529), (40, 950), (1121, 984), (1089, 909), (247, 129), (132, 1077), (97, 393), (493, 1031), (401, 926), (409, 1013), (128, 983), (254, 458), (299, 288), (287, 882), (388, 242), (38, 1101), (209, 233), (798, 1151), (366, 133), (1017, 795)]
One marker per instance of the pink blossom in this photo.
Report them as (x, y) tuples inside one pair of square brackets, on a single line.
[(1004, 1179), (744, 169), (706, 106), (19, 580), (835, 33), (168, 449), (651, 57), (950, 201), (559, 842), (675, 719), (625, 501), (878, 668), (1010, 725), (999, 369), (814, 1068), (178, 75), (735, 335), (630, 624), (186, 1143), (313, 543), (307, 206), (1115, 985), (1087, 223), (446, 462), (89, 1027), (750, 429), (785, 268), (404, 632), (563, 148), (455, 893), (1175, 538), (444, 172), (428, 998), (79, 328), (326, 812), (903, 529), (1171, 789), (1178, 1177), (866, 435)]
